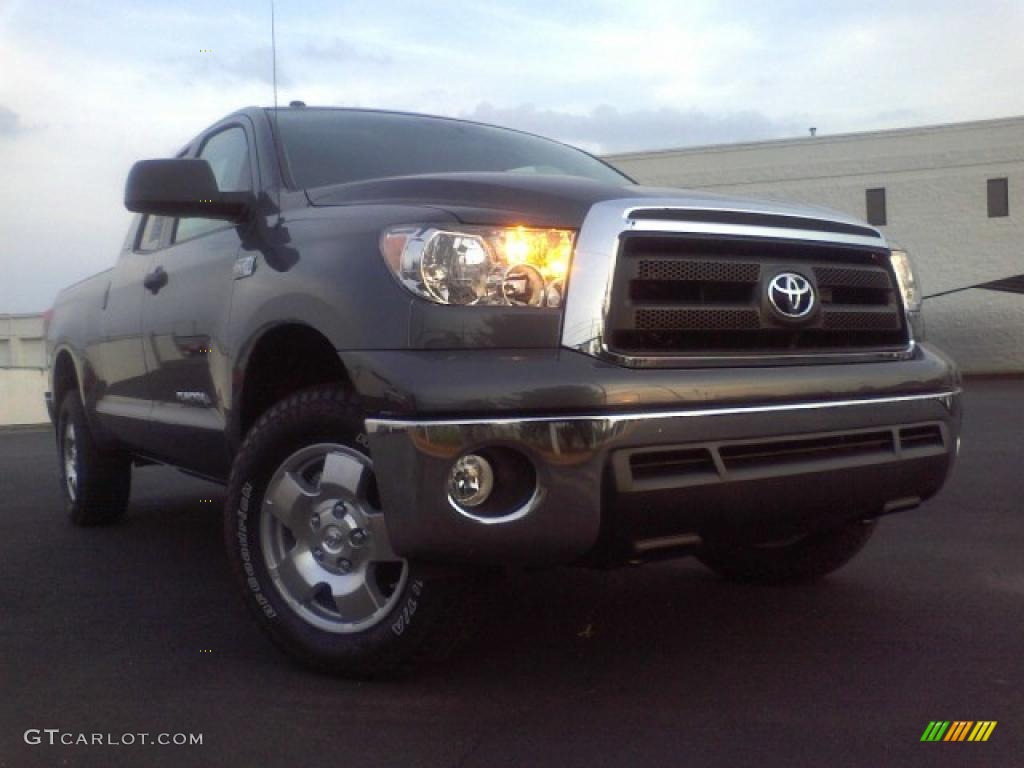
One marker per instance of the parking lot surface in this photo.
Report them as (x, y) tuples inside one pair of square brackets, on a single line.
[(138, 629)]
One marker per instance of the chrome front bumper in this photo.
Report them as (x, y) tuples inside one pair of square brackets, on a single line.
[(585, 491)]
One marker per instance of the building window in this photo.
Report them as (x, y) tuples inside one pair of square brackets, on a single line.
[(875, 200), (998, 198), (33, 354)]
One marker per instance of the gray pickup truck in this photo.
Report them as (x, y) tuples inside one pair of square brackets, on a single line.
[(416, 349)]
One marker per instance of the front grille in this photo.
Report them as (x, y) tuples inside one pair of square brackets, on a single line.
[(689, 295)]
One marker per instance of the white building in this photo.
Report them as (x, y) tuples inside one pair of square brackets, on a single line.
[(22, 370), (952, 195)]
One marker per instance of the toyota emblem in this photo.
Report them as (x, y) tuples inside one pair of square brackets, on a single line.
[(791, 295)]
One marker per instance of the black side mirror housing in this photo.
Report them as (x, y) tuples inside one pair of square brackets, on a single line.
[(181, 187)]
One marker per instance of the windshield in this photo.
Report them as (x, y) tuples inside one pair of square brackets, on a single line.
[(335, 146)]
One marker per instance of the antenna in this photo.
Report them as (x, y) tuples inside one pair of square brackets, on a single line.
[(273, 52), (277, 132)]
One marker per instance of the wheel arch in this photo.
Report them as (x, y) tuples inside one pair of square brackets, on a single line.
[(65, 375), (281, 359)]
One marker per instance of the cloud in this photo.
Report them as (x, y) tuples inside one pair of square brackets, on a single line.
[(342, 51), (607, 129), (252, 65), (313, 62), (10, 123)]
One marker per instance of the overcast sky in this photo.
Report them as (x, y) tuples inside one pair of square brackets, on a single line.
[(87, 88)]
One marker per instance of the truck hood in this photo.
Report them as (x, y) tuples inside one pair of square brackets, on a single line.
[(511, 198)]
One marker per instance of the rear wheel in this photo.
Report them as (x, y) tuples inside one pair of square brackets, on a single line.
[(96, 484), (308, 542), (803, 560)]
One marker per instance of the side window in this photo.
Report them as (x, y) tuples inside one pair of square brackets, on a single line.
[(227, 152), (132, 235), (152, 231)]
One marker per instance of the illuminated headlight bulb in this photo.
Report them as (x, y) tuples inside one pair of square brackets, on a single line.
[(523, 284), (471, 481)]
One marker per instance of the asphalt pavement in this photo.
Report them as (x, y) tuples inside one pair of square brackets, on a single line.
[(138, 629)]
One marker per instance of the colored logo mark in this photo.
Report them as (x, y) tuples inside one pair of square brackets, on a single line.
[(958, 730)]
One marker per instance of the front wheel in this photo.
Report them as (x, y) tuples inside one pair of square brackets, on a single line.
[(307, 539), (807, 559)]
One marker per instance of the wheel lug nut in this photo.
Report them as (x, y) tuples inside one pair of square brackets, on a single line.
[(340, 509), (357, 537), (344, 565), (318, 553)]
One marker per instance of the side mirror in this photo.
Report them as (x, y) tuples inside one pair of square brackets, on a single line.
[(181, 187)]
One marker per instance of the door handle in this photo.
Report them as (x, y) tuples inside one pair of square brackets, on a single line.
[(155, 280)]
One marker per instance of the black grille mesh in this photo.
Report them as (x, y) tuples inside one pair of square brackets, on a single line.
[(696, 319), (853, 278), (862, 321), (703, 271)]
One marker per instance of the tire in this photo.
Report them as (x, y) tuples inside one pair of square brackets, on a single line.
[(95, 484), (316, 567), (804, 560)]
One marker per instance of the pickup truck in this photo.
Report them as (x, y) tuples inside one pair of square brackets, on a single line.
[(418, 350)]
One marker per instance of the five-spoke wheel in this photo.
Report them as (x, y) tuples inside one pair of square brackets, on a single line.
[(307, 537), (324, 540)]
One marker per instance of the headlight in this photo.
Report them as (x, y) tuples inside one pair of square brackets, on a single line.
[(482, 266), (910, 290)]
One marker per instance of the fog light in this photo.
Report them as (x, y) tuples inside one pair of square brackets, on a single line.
[(471, 481)]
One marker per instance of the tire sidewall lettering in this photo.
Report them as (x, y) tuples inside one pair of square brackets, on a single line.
[(407, 610), (245, 554)]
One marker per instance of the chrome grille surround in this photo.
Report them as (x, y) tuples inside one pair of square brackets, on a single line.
[(588, 304)]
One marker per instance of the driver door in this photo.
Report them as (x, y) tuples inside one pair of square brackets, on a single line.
[(186, 309)]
